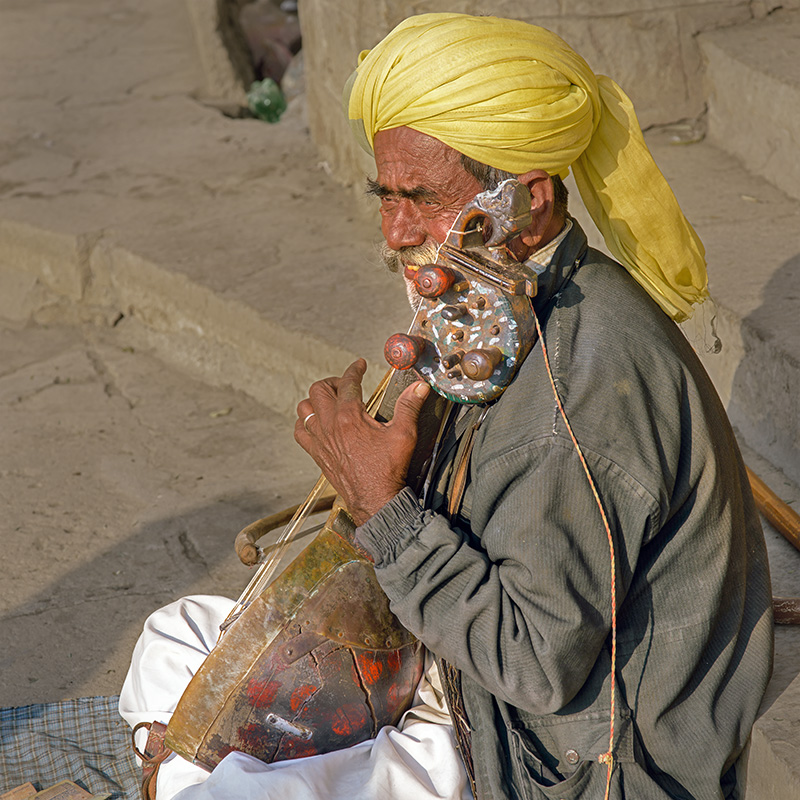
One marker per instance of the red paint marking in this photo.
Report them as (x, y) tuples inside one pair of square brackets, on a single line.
[(348, 719), (293, 748), (262, 693), (393, 661), (369, 668), (393, 698), (218, 747), (300, 695), (225, 751), (254, 739)]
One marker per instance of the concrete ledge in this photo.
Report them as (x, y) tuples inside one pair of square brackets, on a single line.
[(222, 49), (753, 87), (55, 278), (59, 260), (773, 771), (225, 342)]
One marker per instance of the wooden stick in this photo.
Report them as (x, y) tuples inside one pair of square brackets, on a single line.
[(245, 544), (780, 515), (786, 610)]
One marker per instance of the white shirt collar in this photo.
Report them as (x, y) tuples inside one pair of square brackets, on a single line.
[(541, 259)]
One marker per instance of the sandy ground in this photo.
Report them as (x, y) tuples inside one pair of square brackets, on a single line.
[(123, 484)]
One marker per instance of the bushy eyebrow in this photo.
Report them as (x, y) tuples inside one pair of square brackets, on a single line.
[(417, 193)]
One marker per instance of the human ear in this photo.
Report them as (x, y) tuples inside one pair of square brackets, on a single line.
[(540, 185)]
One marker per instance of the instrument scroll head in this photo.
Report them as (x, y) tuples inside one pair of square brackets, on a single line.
[(474, 325)]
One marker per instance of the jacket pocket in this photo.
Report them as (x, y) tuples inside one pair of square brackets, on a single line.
[(533, 781), (527, 768), (556, 756), (588, 782)]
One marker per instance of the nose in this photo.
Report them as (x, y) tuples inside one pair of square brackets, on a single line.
[(403, 225)]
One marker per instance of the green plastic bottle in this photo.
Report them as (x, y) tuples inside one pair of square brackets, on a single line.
[(266, 101)]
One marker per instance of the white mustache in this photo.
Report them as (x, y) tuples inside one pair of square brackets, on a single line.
[(396, 260)]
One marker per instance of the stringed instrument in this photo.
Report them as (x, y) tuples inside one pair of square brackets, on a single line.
[(314, 660)]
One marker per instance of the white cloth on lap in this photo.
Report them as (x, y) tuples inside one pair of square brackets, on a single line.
[(415, 761)]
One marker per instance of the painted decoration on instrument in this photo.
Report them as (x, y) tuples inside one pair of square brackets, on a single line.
[(474, 325)]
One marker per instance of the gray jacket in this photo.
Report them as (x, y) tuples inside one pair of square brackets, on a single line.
[(516, 591)]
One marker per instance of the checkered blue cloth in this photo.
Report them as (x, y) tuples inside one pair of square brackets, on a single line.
[(83, 740)]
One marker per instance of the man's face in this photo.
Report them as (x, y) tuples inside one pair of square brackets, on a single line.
[(422, 188)]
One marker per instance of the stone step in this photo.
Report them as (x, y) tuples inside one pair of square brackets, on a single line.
[(753, 89), (222, 243), (773, 771)]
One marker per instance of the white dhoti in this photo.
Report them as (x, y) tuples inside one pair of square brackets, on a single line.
[(415, 761)]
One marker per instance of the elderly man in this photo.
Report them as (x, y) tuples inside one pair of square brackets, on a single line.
[(589, 571)]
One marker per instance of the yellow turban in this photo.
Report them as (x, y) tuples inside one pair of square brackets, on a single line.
[(517, 97)]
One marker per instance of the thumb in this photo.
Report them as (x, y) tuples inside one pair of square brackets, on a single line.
[(409, 404)]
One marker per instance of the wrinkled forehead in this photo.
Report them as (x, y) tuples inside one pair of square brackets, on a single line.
[(406, 159)]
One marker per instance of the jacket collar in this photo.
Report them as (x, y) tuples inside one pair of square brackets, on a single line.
[(555, 268)]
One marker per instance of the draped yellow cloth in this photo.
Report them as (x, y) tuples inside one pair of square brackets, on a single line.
[(517, 97)]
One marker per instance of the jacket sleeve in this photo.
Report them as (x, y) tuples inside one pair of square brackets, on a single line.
[(524, 611)]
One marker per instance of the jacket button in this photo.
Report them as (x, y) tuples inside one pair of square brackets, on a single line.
[(572, 756)]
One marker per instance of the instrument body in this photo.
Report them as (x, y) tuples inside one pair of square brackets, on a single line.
[(315, 663)]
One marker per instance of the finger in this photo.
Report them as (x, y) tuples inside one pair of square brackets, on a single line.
[(323, 396), (304, 408), (324, 390), (301, 435), (305, 411), (331, 383), (350, 382), (409, 404)]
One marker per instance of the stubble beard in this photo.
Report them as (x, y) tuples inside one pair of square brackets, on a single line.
[(396, 260)]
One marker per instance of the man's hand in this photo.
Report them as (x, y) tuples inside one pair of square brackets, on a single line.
[(366, 461)]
